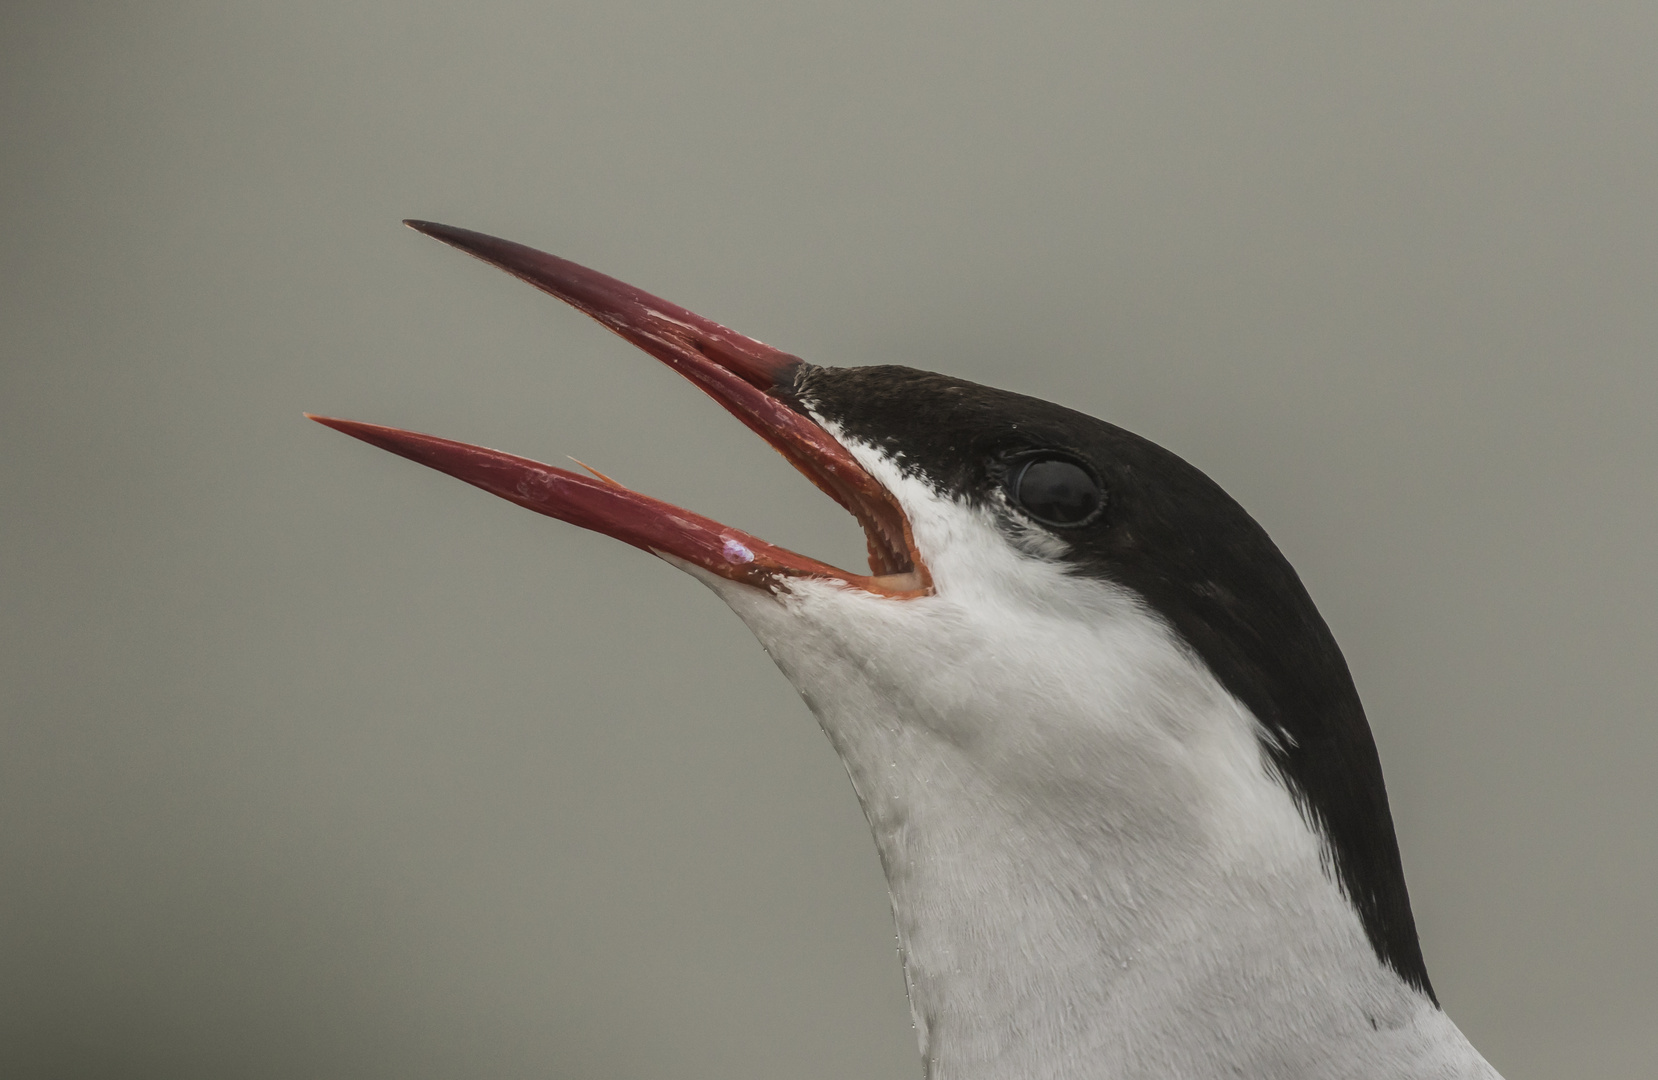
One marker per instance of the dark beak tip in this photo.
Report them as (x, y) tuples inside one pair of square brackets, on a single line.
[(453, 235)]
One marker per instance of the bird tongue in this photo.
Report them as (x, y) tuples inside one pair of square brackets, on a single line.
[(736, 371)]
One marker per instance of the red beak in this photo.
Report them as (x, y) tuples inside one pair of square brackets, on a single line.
[(740, 373)]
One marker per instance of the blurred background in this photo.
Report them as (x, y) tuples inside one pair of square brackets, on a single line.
[(316, 763)]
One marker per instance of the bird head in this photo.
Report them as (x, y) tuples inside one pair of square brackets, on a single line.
[(1066, 622)]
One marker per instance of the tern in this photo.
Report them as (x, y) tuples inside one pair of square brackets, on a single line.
[(1129, 809)]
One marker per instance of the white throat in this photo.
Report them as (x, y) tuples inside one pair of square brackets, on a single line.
[(1093, 870)]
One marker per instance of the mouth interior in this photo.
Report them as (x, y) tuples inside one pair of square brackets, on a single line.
[(894, 564), (887, 536)]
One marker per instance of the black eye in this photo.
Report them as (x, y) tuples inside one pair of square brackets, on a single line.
[(1055, 490)]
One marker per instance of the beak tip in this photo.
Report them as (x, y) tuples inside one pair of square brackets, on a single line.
[(435, 230), (355, 429), (501, 254)]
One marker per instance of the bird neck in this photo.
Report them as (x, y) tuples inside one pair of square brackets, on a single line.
[(1093, 868), (1108, 940), (1097, 874)]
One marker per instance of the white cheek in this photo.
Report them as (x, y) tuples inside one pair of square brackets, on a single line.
[(1035, 674)]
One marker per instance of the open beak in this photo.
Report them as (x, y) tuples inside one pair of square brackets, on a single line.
[(743, 375)]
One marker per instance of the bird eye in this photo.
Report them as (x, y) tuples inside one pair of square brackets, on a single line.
[(1055, 491)]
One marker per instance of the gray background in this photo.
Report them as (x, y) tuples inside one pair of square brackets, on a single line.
[(316, 764)]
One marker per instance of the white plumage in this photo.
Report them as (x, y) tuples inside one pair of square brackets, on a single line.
[(1093, 873)]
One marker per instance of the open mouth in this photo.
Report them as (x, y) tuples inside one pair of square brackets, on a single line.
[(743, 375)]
